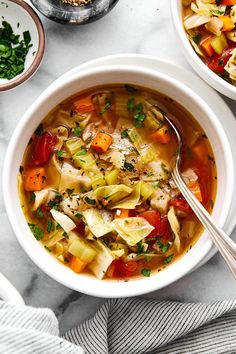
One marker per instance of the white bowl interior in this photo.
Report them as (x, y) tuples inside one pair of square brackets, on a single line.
[(88, 79), (206, 74), (14, 14)]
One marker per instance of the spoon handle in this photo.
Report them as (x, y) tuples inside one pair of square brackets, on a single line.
[(223, 242)]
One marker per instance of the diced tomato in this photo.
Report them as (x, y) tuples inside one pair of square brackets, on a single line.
[(80, 228), (217, 62), (43, 148), (181, 204), (124, 269), (154, 219), (165, 230), (161, 224)]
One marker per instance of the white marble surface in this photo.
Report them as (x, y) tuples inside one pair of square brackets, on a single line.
[(134, 26)]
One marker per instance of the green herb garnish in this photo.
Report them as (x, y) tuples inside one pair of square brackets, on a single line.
[(32, 197), (90, 201), (47, 248), (78, 130), (107, 106), (79, 216), (197, 38), (124, 134), (50, 226), (139, 116), (69, 191), (146, 272), (128, 166), (168, 259), (59, 154), (130, 104), (13, 51), (36, 231), (39, 213), (82, 151), (39, 130)]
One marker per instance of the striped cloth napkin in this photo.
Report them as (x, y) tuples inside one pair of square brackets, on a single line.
[(123, 326)]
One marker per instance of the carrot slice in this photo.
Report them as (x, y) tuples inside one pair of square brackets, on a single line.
[(196, 190), (101, 142), (162, 135), (84, 105), (34, 179), (121, 213), (200, 152), (77, 265), (229, 2), (228, 23), (205, 44)]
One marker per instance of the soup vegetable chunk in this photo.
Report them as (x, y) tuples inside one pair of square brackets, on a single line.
[(95, 183), (210, 27)]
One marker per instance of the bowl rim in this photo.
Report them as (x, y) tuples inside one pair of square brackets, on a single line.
[(90, 285), (60, 15), (222, 86), (40, 52)]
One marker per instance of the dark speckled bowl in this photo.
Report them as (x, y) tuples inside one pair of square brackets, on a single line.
[(57, 11)]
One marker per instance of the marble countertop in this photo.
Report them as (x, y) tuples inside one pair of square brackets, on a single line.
[(133, 26)]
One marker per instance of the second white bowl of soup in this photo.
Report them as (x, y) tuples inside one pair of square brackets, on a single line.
[(204, 25), (87, 181)]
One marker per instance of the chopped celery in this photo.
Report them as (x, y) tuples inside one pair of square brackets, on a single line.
[(151, 123), (86, 162), (73, 145), (121, 106), (147, 154), (135, 138), (83, 250), (98, 181), (57, 236), (111, 176), (146, 191), (219, 43)]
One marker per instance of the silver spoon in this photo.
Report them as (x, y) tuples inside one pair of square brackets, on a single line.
[(223, 242)]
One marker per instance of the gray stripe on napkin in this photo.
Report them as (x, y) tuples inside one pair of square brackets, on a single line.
[(134, 326)]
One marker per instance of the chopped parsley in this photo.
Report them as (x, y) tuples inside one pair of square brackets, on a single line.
[(69, 191), (124, 134), (32, 197), (82, 151), (163, 247), (59, 154), (197, 38), (50, 226), (146, 272), (36, 231), (139, 115), (13, 51), (140, 247), (39, 130), (39, 213), (107, 106), (79, 216), (78, 130), (168, 259), (128, 166), (90, 201), (130, 104)]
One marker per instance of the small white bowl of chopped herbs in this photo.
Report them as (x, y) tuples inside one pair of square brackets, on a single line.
[(22, 43)]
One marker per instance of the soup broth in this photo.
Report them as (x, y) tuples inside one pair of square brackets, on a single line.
[(96, 188)]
